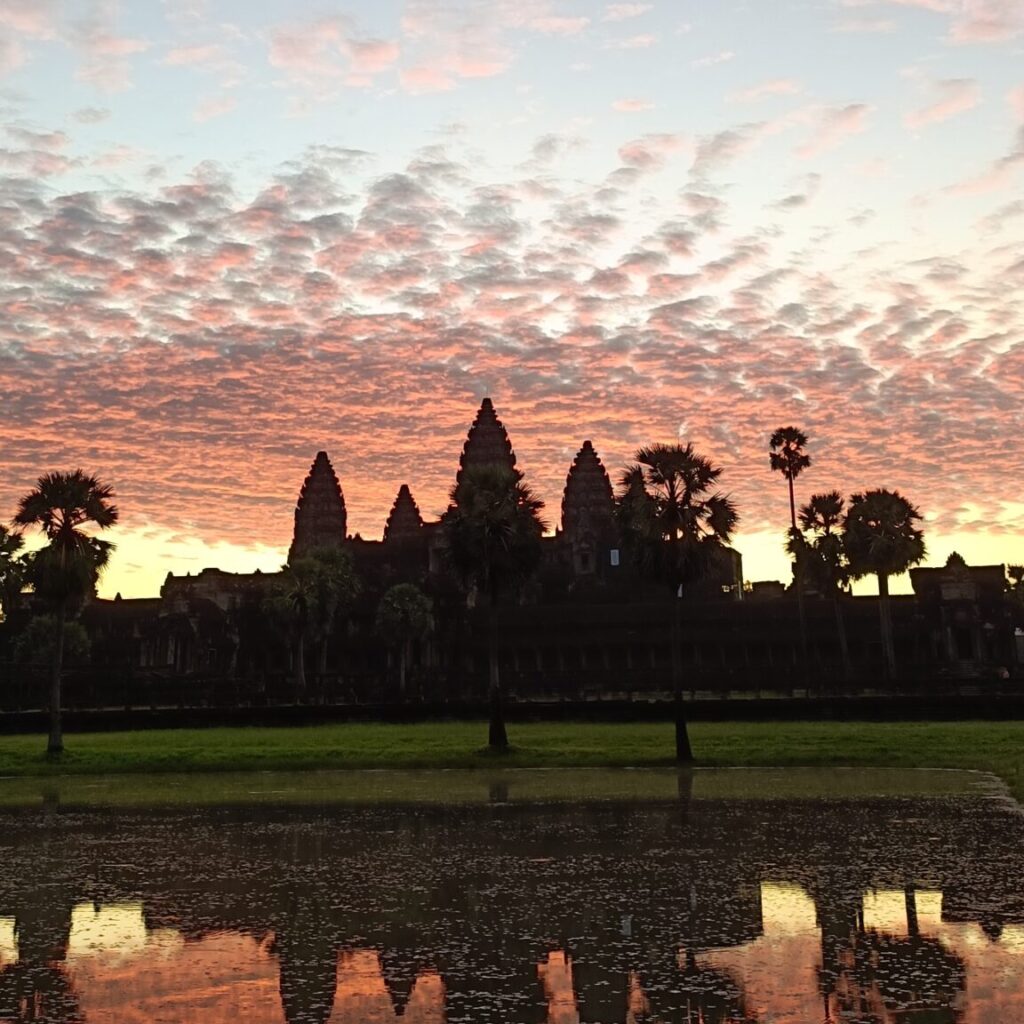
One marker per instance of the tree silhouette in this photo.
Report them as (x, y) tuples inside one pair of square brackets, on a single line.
[(493, 529), (313, 591), (65, 571), (881, 537), (787, 455), (819, 544), (675, 528), (12, 569), (404, 615)]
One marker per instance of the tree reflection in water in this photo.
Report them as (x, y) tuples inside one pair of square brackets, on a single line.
[(543, 914)]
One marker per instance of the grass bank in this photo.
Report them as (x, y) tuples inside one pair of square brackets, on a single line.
[(997, 747)]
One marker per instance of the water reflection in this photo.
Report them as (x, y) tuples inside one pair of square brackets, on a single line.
[(718, 911)]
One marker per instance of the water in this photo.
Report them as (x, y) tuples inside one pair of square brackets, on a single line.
[(620, 898)]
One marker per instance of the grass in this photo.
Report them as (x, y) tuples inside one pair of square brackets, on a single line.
[(996, 747)]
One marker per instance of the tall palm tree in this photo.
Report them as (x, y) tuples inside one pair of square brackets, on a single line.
[(787, 455), (819, 544), (676, 527), (493, 529), (312, 593), (881, 537), (65, 571), (404, 615)]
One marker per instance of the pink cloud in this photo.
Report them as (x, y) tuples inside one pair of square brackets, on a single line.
[(954, 96), (833, 128), (215, 106), (771, 87), (559, 26), (638, 42), (651, 151), (632, 106), (425, 79), (624, 11)]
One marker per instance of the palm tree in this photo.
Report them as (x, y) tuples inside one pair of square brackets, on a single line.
[(493, 529), (66, 570), (819, 545), (676, 528), (404, 615), (881, 537), (787, 455), (310, 596)]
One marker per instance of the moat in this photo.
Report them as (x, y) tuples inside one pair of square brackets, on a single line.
[(529, 897)]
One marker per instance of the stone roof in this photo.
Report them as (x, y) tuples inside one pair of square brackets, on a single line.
[(404, 520), (487, 443), (587, 502), (320, 517)]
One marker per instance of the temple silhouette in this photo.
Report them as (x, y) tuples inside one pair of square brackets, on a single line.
[(587, 626)]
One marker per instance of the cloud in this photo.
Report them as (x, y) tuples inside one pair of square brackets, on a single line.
[(722, 57), (651, 151), (91, 115), (715, 152), (953, 96), (622, 12), (551, 25), (632, 106), (638, 42), (215, 106), (771, 87), (865, 26), (834, 126), (218, 327)]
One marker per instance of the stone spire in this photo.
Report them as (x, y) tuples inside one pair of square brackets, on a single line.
[(320, 517), (588, 510), (404, 521), (487, 443)]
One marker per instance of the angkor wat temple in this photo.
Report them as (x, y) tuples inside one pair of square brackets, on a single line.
[(588, 625)]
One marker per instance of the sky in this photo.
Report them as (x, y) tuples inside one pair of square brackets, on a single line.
[(235, 233)]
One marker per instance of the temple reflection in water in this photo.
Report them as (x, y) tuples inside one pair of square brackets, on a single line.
[(896, 911)]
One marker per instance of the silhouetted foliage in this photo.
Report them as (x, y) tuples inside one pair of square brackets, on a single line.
[(311, 596), (881, 538), (675, 527), (820, 553), (493, 529), (64, 572), (13, 569), (787, 455), (35, 643), (403, 616)]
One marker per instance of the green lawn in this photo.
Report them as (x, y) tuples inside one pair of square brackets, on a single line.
[(997, 747)]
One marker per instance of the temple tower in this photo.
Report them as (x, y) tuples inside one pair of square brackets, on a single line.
[(588, 511), (320, 517), (404, 520), (487, 443)]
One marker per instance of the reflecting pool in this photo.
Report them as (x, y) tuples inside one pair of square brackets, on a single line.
[(521, 898)]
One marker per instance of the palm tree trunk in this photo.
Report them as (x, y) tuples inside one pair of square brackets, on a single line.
[(684, 752), (497, 737), (55, 742), (801, 609), (885, 618)]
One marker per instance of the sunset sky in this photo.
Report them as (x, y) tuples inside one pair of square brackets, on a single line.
[(234, 233)]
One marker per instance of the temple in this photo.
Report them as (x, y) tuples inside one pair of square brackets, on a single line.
[(320, 517), (588, 626)]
